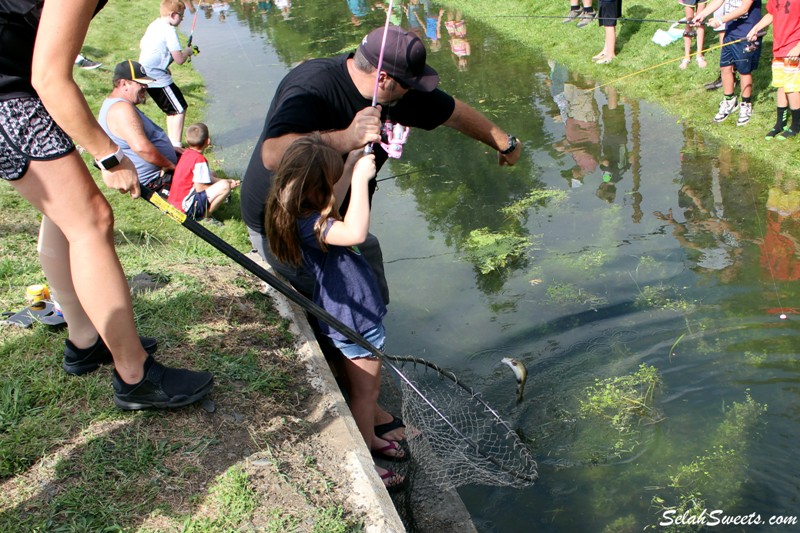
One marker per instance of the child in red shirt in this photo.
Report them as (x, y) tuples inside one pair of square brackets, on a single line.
[(784, 15), (195, 189)]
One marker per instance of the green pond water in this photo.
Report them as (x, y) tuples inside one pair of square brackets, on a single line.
[(623, 245)]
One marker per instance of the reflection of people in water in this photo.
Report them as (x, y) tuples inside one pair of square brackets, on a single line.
[(614, 157), (457, 32), (780, 249), (558, 77), (581, 130), (358, 10), (414, 11), (433, 27), (285, 7), (711, 242), (221, 10)]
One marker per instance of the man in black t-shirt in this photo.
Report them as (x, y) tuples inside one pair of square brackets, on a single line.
[(334, 97)]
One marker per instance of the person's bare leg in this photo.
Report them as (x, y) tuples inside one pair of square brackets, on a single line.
[(610, 48), (53, 250), (745, 84), (364, 377), (217, 192), (175, 128), (728, 80), (63, 190)]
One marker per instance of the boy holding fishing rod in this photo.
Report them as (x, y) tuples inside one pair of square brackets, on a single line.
[(739, 18), (784, 15), (160, 46)]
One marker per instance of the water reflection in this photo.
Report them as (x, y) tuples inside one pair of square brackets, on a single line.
[(673, 251)]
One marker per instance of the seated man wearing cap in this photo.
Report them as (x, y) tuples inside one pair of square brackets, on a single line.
[(141, 139), (334, 97)]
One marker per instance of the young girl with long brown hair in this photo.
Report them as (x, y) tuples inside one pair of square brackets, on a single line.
[(305, 229)]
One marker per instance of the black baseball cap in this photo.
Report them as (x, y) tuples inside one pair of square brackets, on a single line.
[(403, 57), (131, 70)]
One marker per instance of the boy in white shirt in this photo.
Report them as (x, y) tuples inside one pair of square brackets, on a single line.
[(159, 48)]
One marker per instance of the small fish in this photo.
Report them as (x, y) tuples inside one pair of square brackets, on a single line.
[(520, 372)]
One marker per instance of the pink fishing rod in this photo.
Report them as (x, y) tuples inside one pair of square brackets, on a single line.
[(368, 148)]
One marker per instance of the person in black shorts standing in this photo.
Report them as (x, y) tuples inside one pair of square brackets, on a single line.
[(610, 11)]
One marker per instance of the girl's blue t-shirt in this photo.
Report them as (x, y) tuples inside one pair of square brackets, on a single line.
[(346, 286)]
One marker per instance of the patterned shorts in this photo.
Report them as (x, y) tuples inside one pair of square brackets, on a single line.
[(786, 74), (27, 133)]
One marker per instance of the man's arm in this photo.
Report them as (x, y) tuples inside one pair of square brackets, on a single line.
[(473, 124), (123, 121), (365, 128)]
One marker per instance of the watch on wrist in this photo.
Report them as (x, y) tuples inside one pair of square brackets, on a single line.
[(512, 145), (109, 162)]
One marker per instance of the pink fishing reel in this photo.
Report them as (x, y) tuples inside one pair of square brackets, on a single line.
[(396, 136)]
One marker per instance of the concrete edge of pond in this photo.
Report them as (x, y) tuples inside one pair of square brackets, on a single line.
[(334, 423), (436, 510)]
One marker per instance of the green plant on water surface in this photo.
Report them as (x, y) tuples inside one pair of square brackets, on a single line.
[(661, 297), (616, 408), (567, 293), (492, 251), (537, 198)]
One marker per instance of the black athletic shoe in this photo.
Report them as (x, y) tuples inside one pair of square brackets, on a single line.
[(772, 133), (79, 361), (162, 387), (785, 135)]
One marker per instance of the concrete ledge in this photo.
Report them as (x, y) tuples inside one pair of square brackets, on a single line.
[(367, 493)]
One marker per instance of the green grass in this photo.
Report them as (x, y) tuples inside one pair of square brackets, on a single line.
[(71, 461)]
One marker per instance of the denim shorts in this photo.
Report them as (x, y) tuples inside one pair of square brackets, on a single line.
[(376, 337), (28, 133)]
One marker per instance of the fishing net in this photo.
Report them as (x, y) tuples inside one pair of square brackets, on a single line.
[(462, 440)]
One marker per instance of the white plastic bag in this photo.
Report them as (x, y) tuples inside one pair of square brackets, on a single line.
[(664, 38)]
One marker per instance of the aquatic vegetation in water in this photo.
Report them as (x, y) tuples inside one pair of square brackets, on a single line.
[(619, 406), (660, 297), (716, 476), (566, 293), (491, 251), (538, 198)]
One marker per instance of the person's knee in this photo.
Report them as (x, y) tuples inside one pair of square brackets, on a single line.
[(100, 213)]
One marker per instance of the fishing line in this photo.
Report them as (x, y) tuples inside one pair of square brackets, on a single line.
[(760, 34), (621, 19)]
